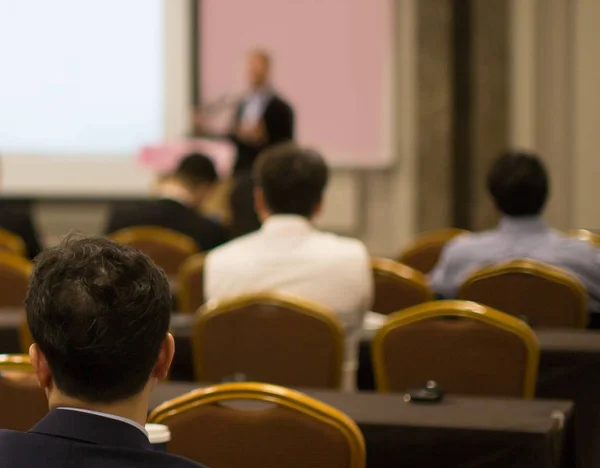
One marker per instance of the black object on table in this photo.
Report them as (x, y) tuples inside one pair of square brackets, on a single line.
[(458, 432)]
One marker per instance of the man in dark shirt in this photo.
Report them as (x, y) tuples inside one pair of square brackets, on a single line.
[(16, 218), (99, 315), (181, 195)]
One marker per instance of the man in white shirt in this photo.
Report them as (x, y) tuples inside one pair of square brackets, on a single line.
[(289, 255)]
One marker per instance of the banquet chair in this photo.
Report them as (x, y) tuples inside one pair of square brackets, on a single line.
[(545, 296), (467, 348), (14, 279), (585, 235), (22, 402), (191, 284), (424, 252), (253, 424), (167, 248), (397, 286), (25, 338), (268, 338), (11, 242)]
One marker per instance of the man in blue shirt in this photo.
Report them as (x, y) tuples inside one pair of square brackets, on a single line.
[(519, 186)]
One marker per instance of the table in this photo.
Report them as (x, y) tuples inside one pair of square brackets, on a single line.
[(569, 369), (461, 432)]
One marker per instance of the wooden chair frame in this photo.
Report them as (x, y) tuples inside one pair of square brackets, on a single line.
[(463, 309), (18, 263), (12, 242), (533, 268), (169, 237), (429, 239), (214, 309), (274, 394), (585, 235), (15, 362), (403, 273), (189, 267)]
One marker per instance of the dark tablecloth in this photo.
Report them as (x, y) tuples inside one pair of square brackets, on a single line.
[(458, 432)]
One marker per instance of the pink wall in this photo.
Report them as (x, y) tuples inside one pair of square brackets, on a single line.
[(331, 60)]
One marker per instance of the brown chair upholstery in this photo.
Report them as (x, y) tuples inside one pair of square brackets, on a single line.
[(22, 402), (14, 279), (167, 248), (250, 424), (423, 253), (398, 286), (546, 296), (467, 348), (584, 234), (191, 284), (11, 242), (269, 338)]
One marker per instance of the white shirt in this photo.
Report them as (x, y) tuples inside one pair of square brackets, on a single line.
[(106, 415), (288, 255)]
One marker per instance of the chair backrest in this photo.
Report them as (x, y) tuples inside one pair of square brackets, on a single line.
[(11, 242), (424, 252), (268, 338), (467, 348), (167, 248), (542, 294), (250, 424), (191, 284), (22, 402), (584, 234), (398, 286), (14, 279)]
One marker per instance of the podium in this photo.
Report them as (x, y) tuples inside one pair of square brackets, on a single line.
[(163, 158)]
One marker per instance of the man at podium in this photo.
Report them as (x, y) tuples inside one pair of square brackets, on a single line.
[(262, 117)]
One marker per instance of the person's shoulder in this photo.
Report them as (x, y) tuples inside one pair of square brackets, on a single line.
[(174, 461), (240, 245), (336, 245), (280, 102)]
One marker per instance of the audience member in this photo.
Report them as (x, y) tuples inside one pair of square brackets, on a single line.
[(99, 315), (16, 218), (244, 219), (181, 195), (519, 186), (288, 254)]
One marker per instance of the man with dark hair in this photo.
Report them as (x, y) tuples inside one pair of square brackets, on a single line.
[(519, 185), (288, 254), (181, 195), (99, 315)]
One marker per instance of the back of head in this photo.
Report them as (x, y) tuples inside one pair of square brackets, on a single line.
[(292, 179), (195, 170), (519, 184), (99, 312)]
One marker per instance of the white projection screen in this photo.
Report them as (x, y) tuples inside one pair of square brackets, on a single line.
[(83, 85), (332, 61)]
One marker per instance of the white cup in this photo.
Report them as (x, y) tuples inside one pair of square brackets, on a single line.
[(159, 435)]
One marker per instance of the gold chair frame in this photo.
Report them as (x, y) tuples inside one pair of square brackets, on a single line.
[(216, 308), (429, 239), (15, 362), (404, 274), (12, 242), (462, 309), (585, 235), (274, 394), (169, 237), (534, 268), (188, 268)]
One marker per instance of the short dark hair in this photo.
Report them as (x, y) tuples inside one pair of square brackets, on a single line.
[(292, 179), (99, 312), (196, 169), (519, 184)]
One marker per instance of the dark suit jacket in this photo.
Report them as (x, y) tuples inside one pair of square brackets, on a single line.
[(278, 119), (17, 219), (169, 214), (69, 439)]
